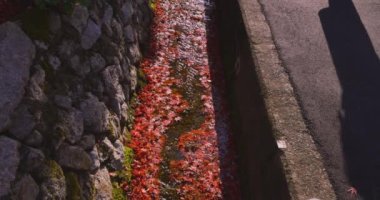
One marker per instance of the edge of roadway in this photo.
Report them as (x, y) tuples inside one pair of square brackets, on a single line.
[(305, 173)]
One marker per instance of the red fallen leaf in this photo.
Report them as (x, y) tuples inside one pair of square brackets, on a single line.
[(171, 114), (166, 122)]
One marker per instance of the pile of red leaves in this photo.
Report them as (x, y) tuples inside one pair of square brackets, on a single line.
[(208, 169), (159, 107)]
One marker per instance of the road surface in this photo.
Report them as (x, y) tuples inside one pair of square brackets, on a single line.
[(331, 51)]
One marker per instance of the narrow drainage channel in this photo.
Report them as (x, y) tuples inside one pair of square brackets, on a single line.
[(190, 88), (182, 139), (261, 171), (201, 129)]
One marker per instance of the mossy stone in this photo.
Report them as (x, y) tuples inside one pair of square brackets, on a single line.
[(131, 112), (152, 5), (113, 127), (53, 170), (73, 188), (128, 159), (53, 184), (118, 193), (123, 176), (141, 79)]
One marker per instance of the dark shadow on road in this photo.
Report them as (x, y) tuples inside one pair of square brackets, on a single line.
[(358, 68)]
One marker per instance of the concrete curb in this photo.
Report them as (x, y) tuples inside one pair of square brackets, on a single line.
[(305, 173)]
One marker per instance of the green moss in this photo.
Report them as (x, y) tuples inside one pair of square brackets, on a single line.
[(127, 135), (52, 170), (131, 111), (118, 193), (113, 127), (35, 22), (55, 170), (123, 176), (73, 188), (152, 5), (128, 159), (141, 79)]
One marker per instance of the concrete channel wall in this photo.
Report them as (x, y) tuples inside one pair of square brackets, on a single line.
[(266, 111)]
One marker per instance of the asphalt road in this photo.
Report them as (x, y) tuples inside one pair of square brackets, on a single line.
[(331, 51)]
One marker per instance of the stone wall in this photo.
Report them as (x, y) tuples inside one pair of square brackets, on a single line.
[(66, 82)]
